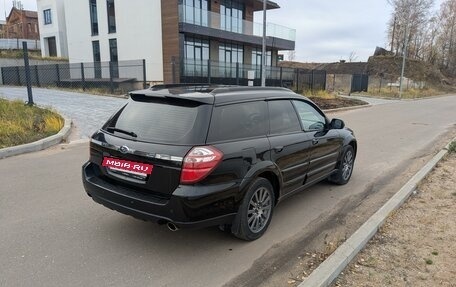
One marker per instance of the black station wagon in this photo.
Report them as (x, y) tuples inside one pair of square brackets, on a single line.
[(197, 156)]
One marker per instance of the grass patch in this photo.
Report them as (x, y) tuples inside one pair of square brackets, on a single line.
[(35, 55), (20, 124), (429, 261), (452, 147), (406, 94)]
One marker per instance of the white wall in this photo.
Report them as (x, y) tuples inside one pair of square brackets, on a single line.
[(78, 31), (56, 29), (138, 25)]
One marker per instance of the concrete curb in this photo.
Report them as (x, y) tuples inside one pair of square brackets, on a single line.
[(347, 108), (330, 269), (40, 144)]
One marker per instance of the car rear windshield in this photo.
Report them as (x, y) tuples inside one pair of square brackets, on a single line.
[(162, 121)]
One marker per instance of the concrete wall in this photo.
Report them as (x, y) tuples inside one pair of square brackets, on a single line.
[(338, 82), (56, 29), (138, 25)]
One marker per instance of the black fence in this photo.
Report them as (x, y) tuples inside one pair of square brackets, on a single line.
[(213, 72), (360, 83), (104, 77), (310, 80)]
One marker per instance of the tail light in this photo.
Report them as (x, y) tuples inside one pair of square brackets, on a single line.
[(198, 163)]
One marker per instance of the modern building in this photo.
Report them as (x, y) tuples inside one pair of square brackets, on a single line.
[(181, 40), (22, 24), (52, 24)]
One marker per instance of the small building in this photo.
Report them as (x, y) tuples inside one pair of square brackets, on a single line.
[(22, 24), (52, 24)]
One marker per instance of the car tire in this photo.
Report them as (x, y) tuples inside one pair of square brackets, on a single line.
[(255, 212), (345, 167)]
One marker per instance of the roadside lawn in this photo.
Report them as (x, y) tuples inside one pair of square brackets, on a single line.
[(326, 100), (20, 124), (393, 93), (416, 246)]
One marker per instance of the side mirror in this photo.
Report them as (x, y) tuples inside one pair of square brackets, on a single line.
[(337, 124)]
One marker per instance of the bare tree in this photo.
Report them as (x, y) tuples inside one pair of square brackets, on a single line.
[(446, 38), (352, 57), (409, 17)]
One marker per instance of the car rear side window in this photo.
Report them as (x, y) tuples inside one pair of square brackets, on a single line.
[(163, 121), (238, 121), (283, 118)]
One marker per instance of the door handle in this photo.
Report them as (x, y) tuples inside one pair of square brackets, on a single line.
[(278, 149), (314, 141)]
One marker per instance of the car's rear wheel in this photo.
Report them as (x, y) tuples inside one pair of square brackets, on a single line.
[(345, 167), (255, 212)]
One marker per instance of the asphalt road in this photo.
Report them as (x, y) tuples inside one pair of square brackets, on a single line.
[(52, 234)]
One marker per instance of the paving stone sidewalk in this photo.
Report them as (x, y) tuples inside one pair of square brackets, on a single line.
[(87, 111)]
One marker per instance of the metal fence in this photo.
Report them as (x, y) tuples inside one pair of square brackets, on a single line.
[(103, 77), (9, 44), (214, 72)]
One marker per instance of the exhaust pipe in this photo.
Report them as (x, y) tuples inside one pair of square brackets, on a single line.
[(171, 226)]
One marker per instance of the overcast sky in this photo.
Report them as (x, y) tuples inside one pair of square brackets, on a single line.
[(326, 31)]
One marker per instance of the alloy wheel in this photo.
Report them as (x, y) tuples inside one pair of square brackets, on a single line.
[(259, 210)]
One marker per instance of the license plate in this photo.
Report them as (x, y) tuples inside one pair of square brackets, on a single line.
[(128, 166)]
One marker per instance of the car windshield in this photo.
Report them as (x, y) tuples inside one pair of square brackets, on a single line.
[(162, 121)]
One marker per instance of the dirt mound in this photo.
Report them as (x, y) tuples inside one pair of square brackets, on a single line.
[(390, 67), (385, 66)]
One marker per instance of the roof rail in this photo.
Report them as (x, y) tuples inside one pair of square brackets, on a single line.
[(197, 87), (227, 89)]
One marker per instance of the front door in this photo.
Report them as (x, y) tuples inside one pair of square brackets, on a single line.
[(52, 47), (326, 144)]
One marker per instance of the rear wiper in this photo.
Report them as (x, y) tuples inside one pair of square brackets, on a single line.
[(122, 131)]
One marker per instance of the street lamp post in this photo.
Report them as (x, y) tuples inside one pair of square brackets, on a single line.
[(404, 54), (263, 50)]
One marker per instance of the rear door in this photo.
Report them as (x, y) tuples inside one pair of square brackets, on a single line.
[(239, 130), (290, 146), (325, 144), (143, 145)]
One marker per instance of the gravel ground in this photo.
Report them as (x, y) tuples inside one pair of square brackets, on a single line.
[(416, 246)]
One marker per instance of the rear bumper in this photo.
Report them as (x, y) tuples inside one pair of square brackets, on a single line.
[(187, 207)]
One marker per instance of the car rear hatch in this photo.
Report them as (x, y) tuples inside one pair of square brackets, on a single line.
[(143, 145)]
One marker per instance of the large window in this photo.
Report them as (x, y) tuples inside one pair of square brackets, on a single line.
[(231, 16), (96, 59), (256, 57), (196, 56), (111, 16), (96, 51), (229, 55), (47, 16), (93, 17), (114, 65), (196, 12), (113, 50)]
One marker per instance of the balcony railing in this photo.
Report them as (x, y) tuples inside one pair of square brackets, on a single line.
[(216, 69), (205, 18)]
